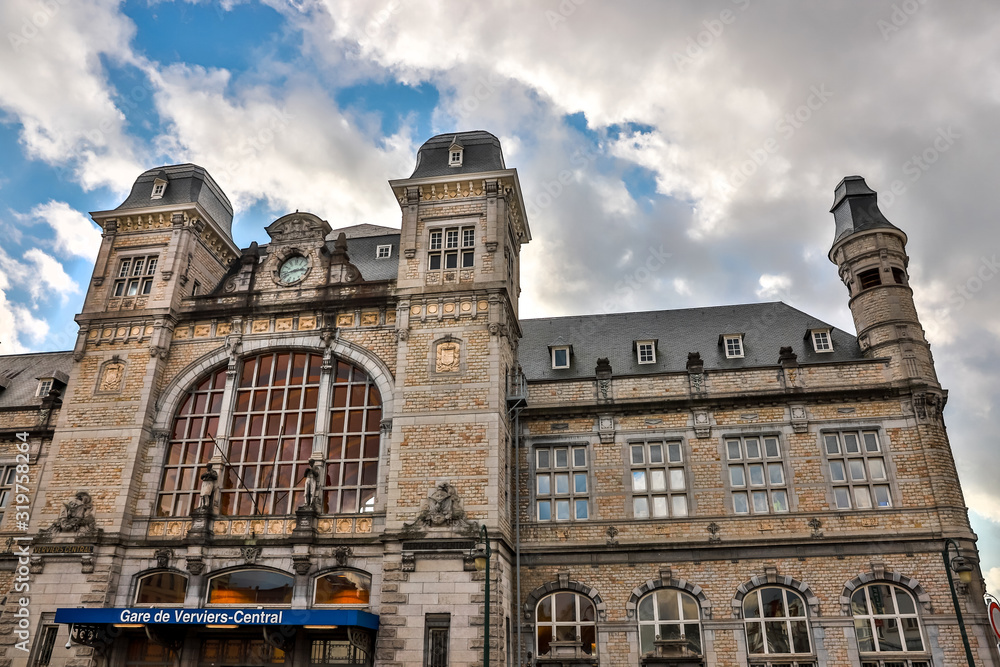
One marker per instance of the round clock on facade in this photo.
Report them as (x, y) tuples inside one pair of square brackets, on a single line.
[(293, 269)]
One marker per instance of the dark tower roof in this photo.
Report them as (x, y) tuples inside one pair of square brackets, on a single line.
[(481, 153), (186, 184), (855, 208)]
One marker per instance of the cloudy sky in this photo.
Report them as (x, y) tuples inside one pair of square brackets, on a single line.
[(714, 132)]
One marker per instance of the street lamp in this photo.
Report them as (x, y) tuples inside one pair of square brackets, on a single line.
[(481, 557), (964, 570)]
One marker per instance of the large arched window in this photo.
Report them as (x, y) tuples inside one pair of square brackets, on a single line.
[(776, 622), (885, 619), (161, 588), (343, 587), (668, 613), (251, 587), (271, 432), (566, 617)]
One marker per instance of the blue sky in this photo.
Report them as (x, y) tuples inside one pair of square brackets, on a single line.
[(651, 107)]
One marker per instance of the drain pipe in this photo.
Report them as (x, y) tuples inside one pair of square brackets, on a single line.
[(517, 530)]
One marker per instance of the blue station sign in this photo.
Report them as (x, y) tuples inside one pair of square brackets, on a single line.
[(224, 616)]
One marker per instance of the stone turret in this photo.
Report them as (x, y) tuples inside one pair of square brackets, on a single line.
[(871, 254)]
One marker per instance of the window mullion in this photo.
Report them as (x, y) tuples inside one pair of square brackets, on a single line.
[(225, 417)]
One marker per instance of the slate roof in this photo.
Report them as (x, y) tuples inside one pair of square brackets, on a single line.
[(482, 153), (361, 250), (766, 327), (855, 208), (186, 183), (20, 373), (363, 231)]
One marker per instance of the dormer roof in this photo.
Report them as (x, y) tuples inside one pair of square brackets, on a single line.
[(481, 153)]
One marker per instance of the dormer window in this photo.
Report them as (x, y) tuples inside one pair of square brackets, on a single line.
[(560, 356), (821, 340), (159, 187), (383, 252), (733, 345), (645, 351), (455, 152), (44, 387)]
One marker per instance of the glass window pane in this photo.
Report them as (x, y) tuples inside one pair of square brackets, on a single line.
[(862, 497), (881, 597), (647, 633), (689, 608), (544, 484), (882, 498), (676, 479), (562, 460), (755, 638), (842, 497), (582, 509), (851, 445), (693, 636), (876, 469), (832, 444), (544, 510), (656, 453), (640, 508), (776, 474), (857, 468), (740, 503), (871, 441), (580, 482), (646, 608), (904, 603), (674, 452), (736, 476), (777, 637), (800, 636), (680, 505), (887, 630), (565, 607), (772, 602), (911, 634), (543, 458), (863, 631), (658, 480), (753, 448), (562, 510), (667, 605), (756, 474), (796, 608), (859, 604), (760, 501), (779, 501), (579, 456), (638, 480), (638, 454), (837, 471), (562, 482), (751, 606), (733, 447), (771, 447), (561, 357)]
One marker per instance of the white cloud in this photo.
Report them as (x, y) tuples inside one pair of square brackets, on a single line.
[(682, 287), (42, 275), (773, 286), (992, 577), (16, 322), (76, 234)]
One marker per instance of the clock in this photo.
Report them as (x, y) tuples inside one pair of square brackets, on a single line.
[(293, 269)]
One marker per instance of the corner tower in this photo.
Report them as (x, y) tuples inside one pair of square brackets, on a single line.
[(871, 254)]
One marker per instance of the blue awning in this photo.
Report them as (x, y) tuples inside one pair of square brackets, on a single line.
[(245, 617)]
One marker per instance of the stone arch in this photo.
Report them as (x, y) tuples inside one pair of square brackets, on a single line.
[(563, 585), (772, 578), (668, 581), (166, 404), (879, 576), (137, 578)]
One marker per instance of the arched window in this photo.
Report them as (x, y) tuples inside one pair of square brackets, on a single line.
[(271, 438), (885, 619), (776, 622), (252, 587), (668, 613), (161, 588), (343, 587), (566, 617)]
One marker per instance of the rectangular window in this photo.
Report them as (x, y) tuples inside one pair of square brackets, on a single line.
[(646, 352), (457, 243), (383, 252), (821, 341), (44, 645), (734, 346), (560, 357), (658, 480), (436, 631), (869, 278), (562, 483), (858, 472), (44, 387), (6, 488), (757, 475), (195, 289), (456, 158), (135, 276)]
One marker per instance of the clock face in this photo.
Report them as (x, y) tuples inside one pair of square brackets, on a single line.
[(293, 269)]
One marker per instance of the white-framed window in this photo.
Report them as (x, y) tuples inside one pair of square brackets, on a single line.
[(658, 479), (560, 356), (135, 275), (886, 621), (383, 252), (776, 624), (668, 613), (451, 248), (733, 344), (821, 340), (645, 351), (161, 588), (858, 472), (455, 157), (159, 187), (565, 616), (6, 487), (562, 483), (757, 475), (196, 288), (44, 387)]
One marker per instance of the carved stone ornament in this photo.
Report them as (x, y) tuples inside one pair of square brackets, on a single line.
[(612, 534), (195, 565), (313, 474), (111, 377), (341, 554), (77, 516), (816, 526), (301, 564), (800, 423), (702, 424), (409, 562), (448, 357), (250, 554), (442, 509), (606, 428), (713, 529), (163, 557)]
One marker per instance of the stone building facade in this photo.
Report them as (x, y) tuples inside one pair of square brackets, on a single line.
[(299, 453)]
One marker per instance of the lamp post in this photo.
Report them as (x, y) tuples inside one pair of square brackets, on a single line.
[(482, 561), (964, 570)]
